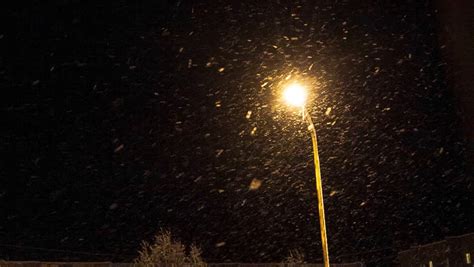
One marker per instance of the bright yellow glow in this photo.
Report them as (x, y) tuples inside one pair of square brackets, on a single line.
[(295, 95)]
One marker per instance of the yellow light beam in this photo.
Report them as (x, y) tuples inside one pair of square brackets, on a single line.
[(296, 95)]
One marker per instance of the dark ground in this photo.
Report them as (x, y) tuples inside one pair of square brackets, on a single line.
[(119, 119)]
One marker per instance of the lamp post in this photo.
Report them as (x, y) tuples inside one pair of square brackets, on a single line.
[(296, 95)]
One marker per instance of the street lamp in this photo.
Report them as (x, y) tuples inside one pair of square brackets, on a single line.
[(296, 95)]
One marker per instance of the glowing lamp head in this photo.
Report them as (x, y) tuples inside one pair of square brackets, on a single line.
[(295, 95)]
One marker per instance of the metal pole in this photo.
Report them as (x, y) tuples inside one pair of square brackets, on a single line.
[(319, 189)]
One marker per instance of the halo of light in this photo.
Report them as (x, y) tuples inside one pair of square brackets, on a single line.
[(295, 95)]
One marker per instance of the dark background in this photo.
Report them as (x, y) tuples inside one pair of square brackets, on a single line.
[(119, 119)]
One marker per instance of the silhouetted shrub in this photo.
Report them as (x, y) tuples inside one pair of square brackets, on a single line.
[(295, 257), (165, 251)]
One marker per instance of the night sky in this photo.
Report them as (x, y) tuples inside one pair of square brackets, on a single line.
[(119, 119)]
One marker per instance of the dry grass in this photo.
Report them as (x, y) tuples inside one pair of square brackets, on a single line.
[(165, 251), (295, 257)]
